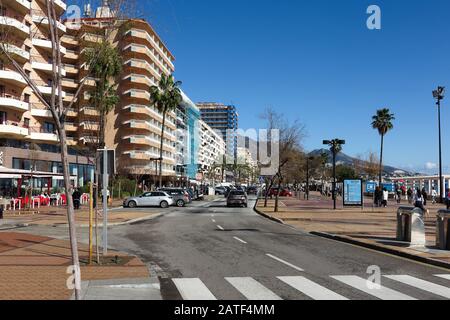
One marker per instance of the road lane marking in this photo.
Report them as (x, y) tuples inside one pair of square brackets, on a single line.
[(311, 289), (443, 276), (382, 293), (252, 289), (193, 289), (220, 228), (240, 240), (422, 285), (285, 262)]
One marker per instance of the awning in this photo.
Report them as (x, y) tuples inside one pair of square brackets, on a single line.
[(19, 173)]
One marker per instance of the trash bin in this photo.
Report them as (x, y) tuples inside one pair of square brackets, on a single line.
[(411, 226), (442, 230)]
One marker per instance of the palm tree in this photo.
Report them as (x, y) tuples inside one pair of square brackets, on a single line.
[(382, 122), (165, 97)]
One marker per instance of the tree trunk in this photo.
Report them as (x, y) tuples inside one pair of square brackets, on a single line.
[(277, 196), (162, 146), (70, 213), (267, 192), (381, 160)]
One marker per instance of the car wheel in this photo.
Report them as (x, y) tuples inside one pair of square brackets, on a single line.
[(180, 203), (132, 204), (164, 204)]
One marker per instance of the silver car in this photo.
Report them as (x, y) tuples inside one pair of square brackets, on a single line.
[(150, 199)]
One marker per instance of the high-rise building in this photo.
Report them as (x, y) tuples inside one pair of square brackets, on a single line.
[(28, 139), (222, 118), (133, 128)]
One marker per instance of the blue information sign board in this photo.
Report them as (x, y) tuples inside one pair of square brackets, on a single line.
[(353, 193), (370, 187)]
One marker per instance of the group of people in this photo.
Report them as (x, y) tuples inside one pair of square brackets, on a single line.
[(418, 198)]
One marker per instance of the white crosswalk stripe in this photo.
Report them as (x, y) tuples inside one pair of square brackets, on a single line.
[(443, 276), (252, 289), (382, 292), (422, 285), (193, 289), (311, 289)]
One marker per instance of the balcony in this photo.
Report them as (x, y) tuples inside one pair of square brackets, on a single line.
[(70, 127), (39, 17), (47, 67), (139, 140), (138, 155), (47, 45), (12, 77), (13, 130), (13, 102), (139, 78), (17, 53), (69, 40), (23, 6), (137, 124), (13, 24), (71, 69), (39, 135), (91, 112), (90, 126), (39, 110), (47, 90), (71, 141), (143, 34), (89, 140), (138, 94), (91, 38), (72, 113), (142, 49), (60, 6), (71, 55), (69, 83), (138, 109)]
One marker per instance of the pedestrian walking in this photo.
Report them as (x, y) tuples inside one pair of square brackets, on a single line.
[(434, 195), (385, 197), (409, 194), (399, 195), (418, 200), (425, 197), (76, 196)]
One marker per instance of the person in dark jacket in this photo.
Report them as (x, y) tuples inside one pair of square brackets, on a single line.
[(76, 199)]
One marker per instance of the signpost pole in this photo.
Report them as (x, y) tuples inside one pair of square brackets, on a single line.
[(105, 202)]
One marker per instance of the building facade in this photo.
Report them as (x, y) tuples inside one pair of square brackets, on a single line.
[(211, 151), (223, 118), (28, 139)]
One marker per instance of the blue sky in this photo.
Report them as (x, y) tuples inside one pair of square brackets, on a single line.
[(318, 62)]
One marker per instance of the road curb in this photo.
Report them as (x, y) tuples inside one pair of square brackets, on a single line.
[(381, 248), (147, 218), (266, 215)]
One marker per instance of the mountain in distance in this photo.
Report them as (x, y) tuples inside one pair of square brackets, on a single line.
[(343, 159)]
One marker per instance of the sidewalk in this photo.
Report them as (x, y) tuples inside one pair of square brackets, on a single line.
[(57, 216), (34, 267), (374, 228)]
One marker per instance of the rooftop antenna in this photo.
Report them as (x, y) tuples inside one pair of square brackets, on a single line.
[(87, 10)]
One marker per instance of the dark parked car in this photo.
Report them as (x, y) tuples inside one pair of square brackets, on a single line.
[(252, 190), (180, 197), (237, 198), (220, 191)]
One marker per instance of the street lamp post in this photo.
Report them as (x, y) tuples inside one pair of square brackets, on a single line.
[(439, 95), (335, 148), (307, 176)]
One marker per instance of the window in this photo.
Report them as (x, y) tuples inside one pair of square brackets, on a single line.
[(26, 123), (2, 91), (49, 127), (3, 117)]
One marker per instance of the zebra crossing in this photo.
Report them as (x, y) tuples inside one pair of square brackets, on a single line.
[(251, 289)]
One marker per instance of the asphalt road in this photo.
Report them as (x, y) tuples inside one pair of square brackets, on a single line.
[(208, 251)]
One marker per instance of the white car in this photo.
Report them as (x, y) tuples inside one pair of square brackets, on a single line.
[(150, 199)]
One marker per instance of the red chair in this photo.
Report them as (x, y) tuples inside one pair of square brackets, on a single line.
[(63, 199)]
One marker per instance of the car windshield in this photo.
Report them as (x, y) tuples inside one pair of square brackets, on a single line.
[(237, 193)]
